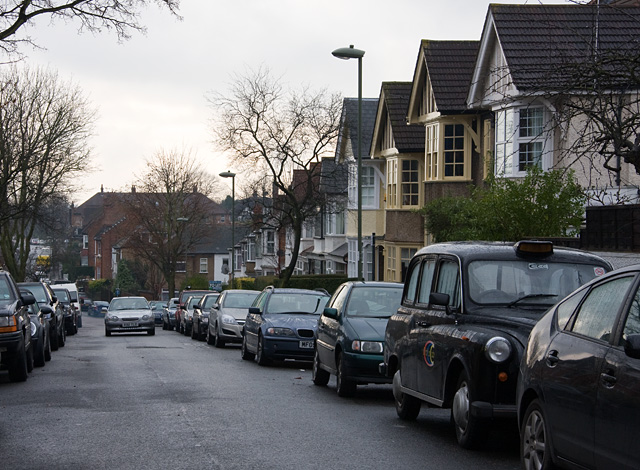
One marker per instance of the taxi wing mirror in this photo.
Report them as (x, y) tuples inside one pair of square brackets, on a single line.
[(632, 346), (442, 300)]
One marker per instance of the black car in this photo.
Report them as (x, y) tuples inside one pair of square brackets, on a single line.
[(70, 312), (16, 348), (578, 400), (466, 313), (350, 335), (40, 330), (281, 324), (200, 320), (49, 305)]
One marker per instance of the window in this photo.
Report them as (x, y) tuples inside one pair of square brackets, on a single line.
[(453, 150), (368, 187), (428, 268), (449, 282), (204, 265), (632, 325), (270, 242), (85, 242), (598, 312), (352, 267), (391, 263), (521, 140), (431, 151), (405, 258), (410, 185), (181, 266), (238, 263), (251, 249), (392, 182)]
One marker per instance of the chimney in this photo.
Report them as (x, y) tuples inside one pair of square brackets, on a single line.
[(133, 188), (102, 188)]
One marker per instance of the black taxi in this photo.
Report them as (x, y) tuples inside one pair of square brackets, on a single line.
[(466, 313)]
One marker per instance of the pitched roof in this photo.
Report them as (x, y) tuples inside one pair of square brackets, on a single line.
[(349, 124), (334, 177), (450, 65), (408, 138), (542, 44)]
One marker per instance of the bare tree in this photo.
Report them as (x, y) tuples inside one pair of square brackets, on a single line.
[(169, 212), (278, 137), (122, 16), (44, 130)]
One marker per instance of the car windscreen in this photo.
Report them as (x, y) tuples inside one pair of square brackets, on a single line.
[(61, 295), (239, 299), (128, 304), (209, 301), (297, 303), (193, 300), (374, 301), (526, 282), (39, 293)]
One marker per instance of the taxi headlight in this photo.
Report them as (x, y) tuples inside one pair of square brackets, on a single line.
[(498, 349)]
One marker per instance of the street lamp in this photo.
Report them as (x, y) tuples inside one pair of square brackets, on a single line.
[(351, 53), (228, 174)]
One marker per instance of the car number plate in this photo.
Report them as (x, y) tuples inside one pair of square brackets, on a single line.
[(129, 324), (306, 344)]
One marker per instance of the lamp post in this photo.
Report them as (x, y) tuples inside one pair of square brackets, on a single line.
[(351, 53), (228, 174)]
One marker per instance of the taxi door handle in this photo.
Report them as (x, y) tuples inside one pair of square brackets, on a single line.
[(552, 358), (608, 378), (424, 324)]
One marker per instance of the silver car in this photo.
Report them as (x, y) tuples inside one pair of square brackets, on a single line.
[(127, 314), (228, 315)]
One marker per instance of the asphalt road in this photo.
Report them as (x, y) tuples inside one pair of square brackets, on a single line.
[(169, 402)]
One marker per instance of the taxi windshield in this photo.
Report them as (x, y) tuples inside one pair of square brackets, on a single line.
[(526, 282)]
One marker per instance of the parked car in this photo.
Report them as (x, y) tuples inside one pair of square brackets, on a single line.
[(281, 324), (16, 349), (201, 311), (41, 343), (70, 312), (157, 306), (169, 314), (127, 314), (186, 317), (467, 310), (98, 308), (74, 296), (49, 305), (228, 315), (350, 335), (86, 304), (182, 299), (578, 401)]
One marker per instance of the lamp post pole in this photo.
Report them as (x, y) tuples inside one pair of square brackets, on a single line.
[(228, 174), (351, 53)]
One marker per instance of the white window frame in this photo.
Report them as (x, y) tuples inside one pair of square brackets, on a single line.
[(204, 265), (270, 242)]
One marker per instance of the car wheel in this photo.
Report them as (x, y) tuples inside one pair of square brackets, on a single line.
[(535, 442), (18, 369), (38, 358), (164, 325), (217, 341), (319, 376), (62, 339), (107, 332), (53, 337), (194, 331), (210, 339), (407, 406), (152, 331), (260, 356), (344, 386), (30, 358), (467, 426), (79, 325), (246, 355), (47, 348)]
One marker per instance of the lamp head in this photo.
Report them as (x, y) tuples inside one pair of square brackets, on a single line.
[(227, 174), (348, 53)]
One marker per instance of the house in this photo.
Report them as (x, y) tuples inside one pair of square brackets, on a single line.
[(534, 75)]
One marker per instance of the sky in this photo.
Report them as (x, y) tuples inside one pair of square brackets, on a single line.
[(150, 90)]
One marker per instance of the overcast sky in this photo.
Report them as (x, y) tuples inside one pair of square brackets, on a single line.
[(150, 91)]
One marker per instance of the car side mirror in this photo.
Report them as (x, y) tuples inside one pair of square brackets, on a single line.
[(330, 312), (632, 346), (196, 307), (255, 310), (27, 299), (440, 299)]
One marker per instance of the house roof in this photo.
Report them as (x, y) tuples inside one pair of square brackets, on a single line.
[(450, 66), (541, 43), (393, 106), (334, 177), (348, 134)]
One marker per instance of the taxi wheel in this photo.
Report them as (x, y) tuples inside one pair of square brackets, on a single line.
[(246, 355), (407, 406), (319, 376), (468, 427), (535, 442), (345, 386)]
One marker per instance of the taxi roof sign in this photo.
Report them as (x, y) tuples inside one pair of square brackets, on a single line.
[(534, 248)]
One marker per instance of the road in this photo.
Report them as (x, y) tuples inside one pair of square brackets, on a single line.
[(166, 401)]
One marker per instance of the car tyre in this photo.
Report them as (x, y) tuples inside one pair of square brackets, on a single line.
[(319, 376), (18, 369), (30, 358), (164, 325), (151, 332), (246, 355), (535, 442), (468, 427), (47, 348), (54, 339), (217, 341), (344, 386), (210, 340), (79, 324), (407, 406), (260, 356), (107, 332), (62, 339), (38, 358), (194, 331)]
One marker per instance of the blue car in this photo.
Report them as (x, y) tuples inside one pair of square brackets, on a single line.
[(281, 324), (350, 335)]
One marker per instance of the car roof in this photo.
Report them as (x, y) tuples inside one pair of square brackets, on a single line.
[(294, 290)]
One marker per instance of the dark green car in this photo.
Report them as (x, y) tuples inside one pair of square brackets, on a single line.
[(350, 334)]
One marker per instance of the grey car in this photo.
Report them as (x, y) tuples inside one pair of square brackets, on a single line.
[(129, 314), (228, 315)]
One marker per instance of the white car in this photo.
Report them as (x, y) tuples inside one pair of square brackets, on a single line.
[(228, 315), (127, 314)]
